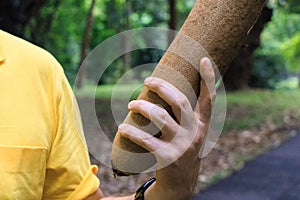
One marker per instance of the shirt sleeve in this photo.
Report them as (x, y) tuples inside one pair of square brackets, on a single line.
[(69, 174)]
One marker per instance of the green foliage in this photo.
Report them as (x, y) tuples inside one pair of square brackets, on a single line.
[(106, 91), (123, 15), (59, 28), (260, 106), (291, 52), (283, 26), (245, 109), (279, 54), (184, 8), (291, 6), (289, 83), (148, 13), (267, 71)]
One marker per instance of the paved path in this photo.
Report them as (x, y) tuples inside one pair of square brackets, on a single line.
[(272, 176)]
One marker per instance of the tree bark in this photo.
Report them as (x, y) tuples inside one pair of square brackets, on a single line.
[(86, 43), (172, 17), (215, 29), (127, 40), (239, 71)]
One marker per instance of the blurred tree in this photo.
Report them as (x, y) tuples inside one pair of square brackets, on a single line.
[(267, 71), (279, 53), (122, 15), (39, 26), (291, 52), (183, 9), (59, 28), (15, 14), (239, 71), (291, 6), (85, 44), (290, 48), (172, 17), (127, 39)]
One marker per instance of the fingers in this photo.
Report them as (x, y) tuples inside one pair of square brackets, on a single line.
[(140, 137), (179, 103), (164, 151), (208, 91), (159, 116)]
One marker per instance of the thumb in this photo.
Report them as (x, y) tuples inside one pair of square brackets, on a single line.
[(208, 90)]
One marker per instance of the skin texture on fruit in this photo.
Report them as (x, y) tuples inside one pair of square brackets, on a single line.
[(214, 29)]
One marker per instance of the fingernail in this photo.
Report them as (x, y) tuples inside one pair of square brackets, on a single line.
[(121, 128), (131, 103), (148, 80), (205, 61)]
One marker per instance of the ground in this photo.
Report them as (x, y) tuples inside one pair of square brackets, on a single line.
[(233, 149)]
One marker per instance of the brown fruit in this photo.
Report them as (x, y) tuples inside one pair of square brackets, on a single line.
[(214, 29)]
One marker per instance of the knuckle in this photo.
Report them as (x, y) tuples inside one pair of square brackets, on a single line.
[(213, 96), (138, 103), (208, 99), (159, 112), (143, 141), (157, 84), (199, 139), (182, 102), (162, 114)]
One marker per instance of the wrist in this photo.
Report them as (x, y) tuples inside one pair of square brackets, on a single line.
[(139, 195), (157, 192)]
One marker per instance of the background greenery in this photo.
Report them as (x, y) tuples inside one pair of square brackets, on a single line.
[(266, 80), (69, 29)]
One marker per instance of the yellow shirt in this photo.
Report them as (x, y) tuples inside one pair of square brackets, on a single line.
[(43, 153)]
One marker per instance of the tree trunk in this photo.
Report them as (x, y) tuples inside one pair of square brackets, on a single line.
[(172, 17), (127, 40), (14, 15), (42, 24), (239, 71), (85, 44), (219, 26)]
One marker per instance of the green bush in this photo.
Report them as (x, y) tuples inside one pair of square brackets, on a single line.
[(267, 71)]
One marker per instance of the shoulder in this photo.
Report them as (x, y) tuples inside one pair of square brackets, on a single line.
[(32, 57)]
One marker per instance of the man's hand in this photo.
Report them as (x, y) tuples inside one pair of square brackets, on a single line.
[(182, 138)]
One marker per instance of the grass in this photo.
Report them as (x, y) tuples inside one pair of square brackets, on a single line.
[(246, 109), (291, 83), (110, 91)]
